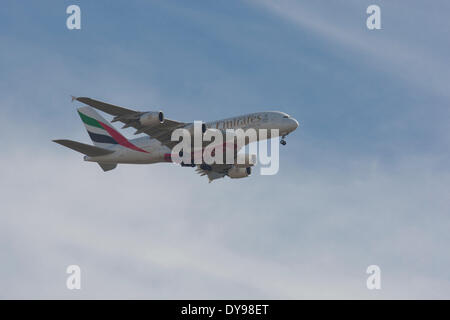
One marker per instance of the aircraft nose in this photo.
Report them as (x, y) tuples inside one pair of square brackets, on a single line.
[(293, 124)]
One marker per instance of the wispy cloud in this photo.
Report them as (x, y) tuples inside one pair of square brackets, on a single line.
[(163, 232), (403, 58)]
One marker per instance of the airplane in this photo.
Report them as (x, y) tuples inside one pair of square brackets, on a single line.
[(112, 148)]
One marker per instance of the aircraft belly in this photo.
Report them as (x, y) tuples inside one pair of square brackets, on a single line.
[(140, 157), (125, 156)]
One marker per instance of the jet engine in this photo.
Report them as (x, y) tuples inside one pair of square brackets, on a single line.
[(190, 128), (236, 172), (152, 118)]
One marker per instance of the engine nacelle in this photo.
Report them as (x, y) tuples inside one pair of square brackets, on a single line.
[(236, 173), (190, 128), (244, 160), (152, 118)]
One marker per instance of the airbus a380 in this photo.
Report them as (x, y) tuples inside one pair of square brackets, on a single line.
[(111, 147)]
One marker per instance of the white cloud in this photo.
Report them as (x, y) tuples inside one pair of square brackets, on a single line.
[(161, 231)]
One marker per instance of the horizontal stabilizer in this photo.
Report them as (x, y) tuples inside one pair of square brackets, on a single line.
[(90, 151), (107, 166)]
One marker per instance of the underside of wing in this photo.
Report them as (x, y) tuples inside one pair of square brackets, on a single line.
[(163, 133), (161, 129), (214, 172)]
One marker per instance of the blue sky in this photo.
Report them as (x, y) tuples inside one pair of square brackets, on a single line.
[(363, 180)]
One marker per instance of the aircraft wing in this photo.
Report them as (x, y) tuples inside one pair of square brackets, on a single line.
[(129, 118), (217, 171)]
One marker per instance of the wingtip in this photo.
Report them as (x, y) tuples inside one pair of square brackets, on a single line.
[(57, 141), (73, 98)]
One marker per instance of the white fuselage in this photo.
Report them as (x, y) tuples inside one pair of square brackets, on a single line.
[(157, 152)]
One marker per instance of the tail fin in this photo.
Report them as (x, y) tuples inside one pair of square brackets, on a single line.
[(102, 133)]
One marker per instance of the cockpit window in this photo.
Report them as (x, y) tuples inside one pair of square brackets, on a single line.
[(286, 116)]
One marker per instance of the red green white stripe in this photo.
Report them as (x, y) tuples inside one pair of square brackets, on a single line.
[(109, 135)]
